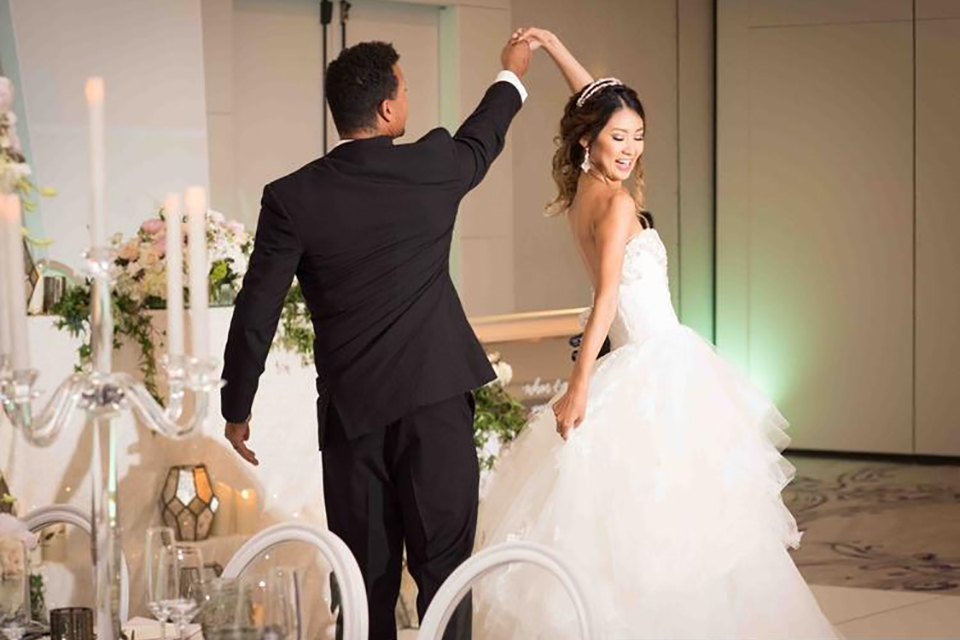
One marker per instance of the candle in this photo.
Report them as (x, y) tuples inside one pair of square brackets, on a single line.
[(248, 517), (174, 255), (98, 221), (6, 340), (225, 522), (16, 293), (196, 202)]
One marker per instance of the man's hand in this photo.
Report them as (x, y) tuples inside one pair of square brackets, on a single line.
[(238, 433), (516, 56)]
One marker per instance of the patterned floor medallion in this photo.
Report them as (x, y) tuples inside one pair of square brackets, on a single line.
[(877, 525)]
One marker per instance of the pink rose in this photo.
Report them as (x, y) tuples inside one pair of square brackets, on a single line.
[(160, 242), (151, 226)]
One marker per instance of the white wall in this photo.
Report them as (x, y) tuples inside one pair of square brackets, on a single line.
[(937, 381), (663, 49), (150, 55), (265, 94), (838, 279)]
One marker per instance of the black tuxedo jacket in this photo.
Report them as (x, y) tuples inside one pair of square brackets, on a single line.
[(366, 229)]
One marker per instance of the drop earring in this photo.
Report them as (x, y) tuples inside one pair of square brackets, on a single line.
[(585, 165)]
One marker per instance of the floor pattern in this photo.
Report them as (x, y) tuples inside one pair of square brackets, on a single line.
[(877, 524)]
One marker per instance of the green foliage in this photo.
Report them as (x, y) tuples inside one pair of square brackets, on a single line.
[(38, 604), (131, 322), (499, 417), (498, 420), (296, 328)]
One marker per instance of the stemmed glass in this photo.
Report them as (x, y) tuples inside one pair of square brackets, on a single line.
[(14, 589), (280, 605), (158, 593), (187, 562)]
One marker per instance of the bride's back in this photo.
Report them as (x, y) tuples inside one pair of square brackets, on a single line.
[(592, 202)]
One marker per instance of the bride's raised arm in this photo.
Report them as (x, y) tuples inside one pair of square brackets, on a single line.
[(574, 73), (611, 233)]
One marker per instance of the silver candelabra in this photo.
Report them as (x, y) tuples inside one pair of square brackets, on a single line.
[(102, 394)]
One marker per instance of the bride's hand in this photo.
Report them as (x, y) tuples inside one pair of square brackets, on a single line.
[(570, 410), (536, 38)]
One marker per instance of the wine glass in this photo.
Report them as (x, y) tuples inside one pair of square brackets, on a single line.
[(159, 593), (279, 605), (14, 589), (223, 607), (187, 562)]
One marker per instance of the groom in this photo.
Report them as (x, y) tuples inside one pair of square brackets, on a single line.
[(366, 230)]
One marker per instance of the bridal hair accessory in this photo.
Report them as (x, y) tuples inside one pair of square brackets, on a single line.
[(595, 87)]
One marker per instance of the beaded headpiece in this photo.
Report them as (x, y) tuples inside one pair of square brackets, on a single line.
[(596, 87)]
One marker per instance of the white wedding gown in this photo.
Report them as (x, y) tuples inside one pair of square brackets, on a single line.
[(666, 499)]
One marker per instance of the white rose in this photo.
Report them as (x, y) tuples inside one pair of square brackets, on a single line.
[(6, 94), (11, 558), (154, 283), (130, 250), (149, 255), (15, 142), (504, 373)]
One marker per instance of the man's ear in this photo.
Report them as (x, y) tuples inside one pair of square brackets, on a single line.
[(385, 111)]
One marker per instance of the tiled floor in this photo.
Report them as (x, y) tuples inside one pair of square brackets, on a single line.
[(877, 614)]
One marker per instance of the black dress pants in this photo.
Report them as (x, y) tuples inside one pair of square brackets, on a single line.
[(413, 483)]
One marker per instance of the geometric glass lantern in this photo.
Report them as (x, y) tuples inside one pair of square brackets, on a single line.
[(188, 503)]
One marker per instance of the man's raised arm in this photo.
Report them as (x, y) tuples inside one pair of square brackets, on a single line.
[(481, 137)]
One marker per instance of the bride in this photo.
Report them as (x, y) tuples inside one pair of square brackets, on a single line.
[(658, 472)]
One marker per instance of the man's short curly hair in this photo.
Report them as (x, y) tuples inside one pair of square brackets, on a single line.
[(358, 81)]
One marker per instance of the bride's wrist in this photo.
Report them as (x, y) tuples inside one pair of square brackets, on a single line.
[(578, 384)]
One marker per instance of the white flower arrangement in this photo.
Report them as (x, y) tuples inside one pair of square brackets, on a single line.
[(142, 273), (14, 536), (14, 170), (503, 370), (15, 173)]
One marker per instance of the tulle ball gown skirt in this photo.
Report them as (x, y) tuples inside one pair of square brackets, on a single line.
[(666, 500)]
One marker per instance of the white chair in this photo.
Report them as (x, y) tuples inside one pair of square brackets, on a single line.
[(350, 580), (460, 581), (46, 516)]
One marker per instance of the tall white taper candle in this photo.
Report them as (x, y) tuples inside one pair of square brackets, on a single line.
[(173, 213), (14, 277), (196, 206), (6, 340), (98, 221)]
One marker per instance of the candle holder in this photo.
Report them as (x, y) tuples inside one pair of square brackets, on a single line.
[(101, 396)]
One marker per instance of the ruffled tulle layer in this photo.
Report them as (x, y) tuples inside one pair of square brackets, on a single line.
[(666, 500)]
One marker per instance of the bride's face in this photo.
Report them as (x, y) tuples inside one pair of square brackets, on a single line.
[(618, 146)]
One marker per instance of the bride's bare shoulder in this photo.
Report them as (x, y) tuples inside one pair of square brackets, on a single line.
[(616, 209)]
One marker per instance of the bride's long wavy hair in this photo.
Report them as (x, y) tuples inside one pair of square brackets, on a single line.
[(588, 121)]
